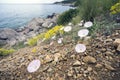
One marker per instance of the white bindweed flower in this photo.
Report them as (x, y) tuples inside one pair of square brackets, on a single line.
[(83, 32), (88, 24), (70, 24), (79, 48), (33, 66), (60, 40), (67, 28)]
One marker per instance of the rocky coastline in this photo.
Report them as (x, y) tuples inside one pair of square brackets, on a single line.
[(10, 37)]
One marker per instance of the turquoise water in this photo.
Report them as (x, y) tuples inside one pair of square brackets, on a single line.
[(17, 15)]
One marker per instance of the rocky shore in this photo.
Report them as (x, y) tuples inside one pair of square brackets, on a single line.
[(10, 37)]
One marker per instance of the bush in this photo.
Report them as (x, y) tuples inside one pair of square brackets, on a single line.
[(89, 9), (76, 20), (47, 35), (115, 9), (67, 16), (33, 41), (4, 52), (52, 32)]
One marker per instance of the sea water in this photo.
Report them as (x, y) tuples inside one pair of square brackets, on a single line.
[(17, 15)]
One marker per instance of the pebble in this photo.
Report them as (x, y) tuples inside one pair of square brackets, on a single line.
[(118, 48), (48, 59), (98, 65), (109, 67), (89, 69), (108, 53), (50, 69), (116, 42), (70, 73), (56, 57), (89, 59), (77, 63), (108, 40)]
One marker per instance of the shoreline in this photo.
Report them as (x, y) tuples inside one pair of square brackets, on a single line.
[(12, 36)]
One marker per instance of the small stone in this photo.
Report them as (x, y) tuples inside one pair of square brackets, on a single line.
[(50, 69), (45, 68), (98, 66), (116, 42), (70, 73), (89, 59), (118, 48), (48, 59), (98, 52), (29, 77), (30, 57), (22, 59), (77, 63), (108, 53), (109, 67), (72, 56), (108, 40), (89, 69), (56, 57), (103, 49), (85, 72)]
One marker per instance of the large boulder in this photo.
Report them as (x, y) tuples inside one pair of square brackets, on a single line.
[(35, 22), (9, 36)]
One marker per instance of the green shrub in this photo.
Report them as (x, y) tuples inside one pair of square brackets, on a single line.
[(89, 9), (76, 20), (115, 9), (4, 52), (67, 16), (19, 45)]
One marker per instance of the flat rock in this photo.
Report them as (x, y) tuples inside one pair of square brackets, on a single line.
[(89, 59)]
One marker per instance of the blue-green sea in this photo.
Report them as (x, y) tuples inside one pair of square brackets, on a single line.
[(17, 15)]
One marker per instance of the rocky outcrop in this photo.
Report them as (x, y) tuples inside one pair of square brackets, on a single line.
[(34, 27)]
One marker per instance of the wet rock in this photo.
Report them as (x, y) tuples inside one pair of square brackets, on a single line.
[(89, 59)]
